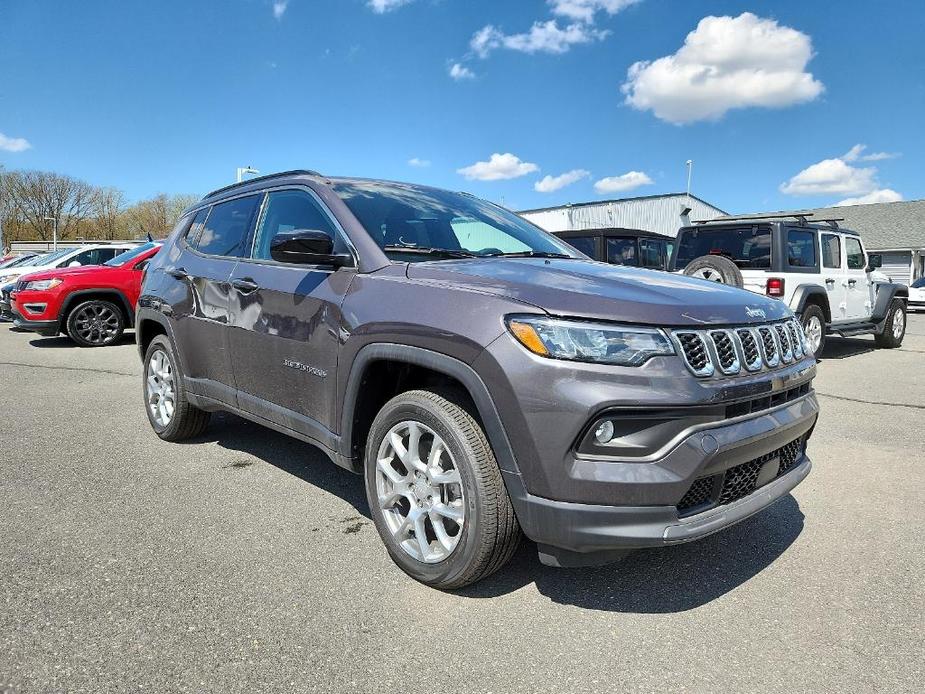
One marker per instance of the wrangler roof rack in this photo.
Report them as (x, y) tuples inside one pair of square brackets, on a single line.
[(801, 217), (281, 174)]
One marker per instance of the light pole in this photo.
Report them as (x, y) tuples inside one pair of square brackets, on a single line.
[(690, 168), (55, 237), (246, 170)]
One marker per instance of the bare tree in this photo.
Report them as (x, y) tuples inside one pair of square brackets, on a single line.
[(108, 215), (40, 194), (158, 215)]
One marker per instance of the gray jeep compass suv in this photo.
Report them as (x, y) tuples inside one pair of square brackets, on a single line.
[(484, 377)]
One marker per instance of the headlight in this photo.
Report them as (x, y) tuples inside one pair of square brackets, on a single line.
[(42, 285), (592, 342)]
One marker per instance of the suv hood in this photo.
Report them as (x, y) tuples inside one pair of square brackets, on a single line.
[(589, 289), (63, 272)]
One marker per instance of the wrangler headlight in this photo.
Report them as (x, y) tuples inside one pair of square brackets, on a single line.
[(42, 285), (592, 342)]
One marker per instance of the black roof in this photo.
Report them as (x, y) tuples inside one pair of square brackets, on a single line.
[(261, 179)]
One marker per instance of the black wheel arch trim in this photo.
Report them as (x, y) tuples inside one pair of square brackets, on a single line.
[(885, 295), (802, 295), (436, 361), (74, 297)]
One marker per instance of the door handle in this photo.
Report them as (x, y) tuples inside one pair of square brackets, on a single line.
[(830, 280), (245, 285), (851, 283), (178, 273)]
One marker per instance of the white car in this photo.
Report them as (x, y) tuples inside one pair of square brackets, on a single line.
[(917, 294), (821, 271), (88, 254)]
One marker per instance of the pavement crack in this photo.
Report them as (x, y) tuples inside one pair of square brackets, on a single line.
[(872, 402), (64, 368)]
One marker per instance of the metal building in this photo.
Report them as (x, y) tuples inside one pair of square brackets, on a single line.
[(658, 213)]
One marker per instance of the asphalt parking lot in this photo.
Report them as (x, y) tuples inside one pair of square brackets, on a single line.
[(247, 562)]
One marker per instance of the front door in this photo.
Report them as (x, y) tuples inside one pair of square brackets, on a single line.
[(286, 322), (858, 287), (834, 277)]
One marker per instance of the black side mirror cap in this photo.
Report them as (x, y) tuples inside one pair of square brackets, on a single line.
[(874, 260), (307, 247)]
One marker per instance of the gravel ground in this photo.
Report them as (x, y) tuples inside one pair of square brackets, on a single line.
[(246, 562)]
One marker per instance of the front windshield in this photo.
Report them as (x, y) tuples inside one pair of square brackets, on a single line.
[(130, 255), (50, 257), (16, 262), (421, 223)]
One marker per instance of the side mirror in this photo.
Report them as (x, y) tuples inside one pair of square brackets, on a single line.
[(73, 263), (307, 247), (874, 260), (142, 265)]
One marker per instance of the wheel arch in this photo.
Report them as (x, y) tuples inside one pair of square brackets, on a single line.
[(75, 298), (806, 294), (365, 393)]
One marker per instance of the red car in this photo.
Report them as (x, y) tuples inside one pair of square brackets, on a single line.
[(93, 304)]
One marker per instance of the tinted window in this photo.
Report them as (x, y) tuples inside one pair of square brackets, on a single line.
[(130, 255), (652, 253), (831, 251), (195, 227), (747, 247), (622, 252), (287, 210), (801, 248), (401, 215), (585, 244), (855, 253), (94, 256), (226, 229)]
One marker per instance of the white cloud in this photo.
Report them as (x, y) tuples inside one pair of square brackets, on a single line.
[(279, 8), (879, 195), (14, 144), (383, 6), (725, 63), (831, 177), (550, 184), (419, 163), (543, 37), (584, 10), (622, 183), (458, 72), (498, 168), (856, 153)]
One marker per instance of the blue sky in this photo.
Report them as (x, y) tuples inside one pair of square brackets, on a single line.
[(172, 96)]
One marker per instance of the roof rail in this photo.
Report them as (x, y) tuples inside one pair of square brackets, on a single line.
[(801, 216), (294, 172)]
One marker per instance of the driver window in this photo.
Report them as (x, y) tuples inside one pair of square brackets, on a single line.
[(287, 210), (855, 253)]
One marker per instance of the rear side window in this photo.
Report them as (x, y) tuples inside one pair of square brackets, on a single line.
[(652, 253), (831, 251), (585, 244), (287, 210), (622, 252), (195, 227), (747, 247), (227, 228), (94, 256), (855, 253), (801, 248)]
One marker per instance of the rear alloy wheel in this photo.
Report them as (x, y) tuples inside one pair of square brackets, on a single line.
[(435, 491), (813, 321), (895, 328), (95, 323)]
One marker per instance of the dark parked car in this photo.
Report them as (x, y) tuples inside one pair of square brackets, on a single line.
[(632, 247), (482, 377)]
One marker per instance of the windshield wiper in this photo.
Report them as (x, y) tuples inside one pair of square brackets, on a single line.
[(528, 254), (444, 252)]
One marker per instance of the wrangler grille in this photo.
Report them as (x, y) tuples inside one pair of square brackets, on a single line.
[(739, 481), (732, 351)]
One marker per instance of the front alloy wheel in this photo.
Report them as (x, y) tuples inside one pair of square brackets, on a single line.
[(95, 323), (159, 388)]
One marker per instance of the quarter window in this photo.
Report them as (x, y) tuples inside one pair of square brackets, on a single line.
[(831, 251), (585, 244), (801, 248), (195, 227), (226, 230), (287, 210), (855, 253)]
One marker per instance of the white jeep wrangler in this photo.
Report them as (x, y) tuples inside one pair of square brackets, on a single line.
[(821, 271)]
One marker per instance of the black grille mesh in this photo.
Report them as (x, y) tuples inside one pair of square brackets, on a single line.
[(795, 339), (784, 337), (749, 347), (770, 347), (695, 351), (738, 481), (725, 350)]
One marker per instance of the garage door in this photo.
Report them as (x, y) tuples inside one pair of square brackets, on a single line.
[(898, 266)]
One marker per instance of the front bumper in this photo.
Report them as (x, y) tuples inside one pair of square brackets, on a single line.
[(46, 328)]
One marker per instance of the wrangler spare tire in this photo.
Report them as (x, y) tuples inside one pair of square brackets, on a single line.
[(715, 268)]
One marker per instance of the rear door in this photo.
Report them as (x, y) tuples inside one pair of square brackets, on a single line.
[(286, 321), (199, 295), (858, 286), (834, 276)]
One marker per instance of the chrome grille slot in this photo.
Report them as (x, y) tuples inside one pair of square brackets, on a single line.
[(726, 351), (796, 338), (783, 338), (751, 353), (769, 346), (694, 351)]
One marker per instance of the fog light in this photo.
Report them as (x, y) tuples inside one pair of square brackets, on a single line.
[(604, 432)]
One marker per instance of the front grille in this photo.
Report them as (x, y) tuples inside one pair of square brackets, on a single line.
[(739, 481), (730, 351), (20, 285)]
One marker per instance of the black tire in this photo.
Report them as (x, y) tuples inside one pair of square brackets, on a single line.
[(894, 330), (715, 268), (811, 317), (490, 534), (186, 421), (96, 323)]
